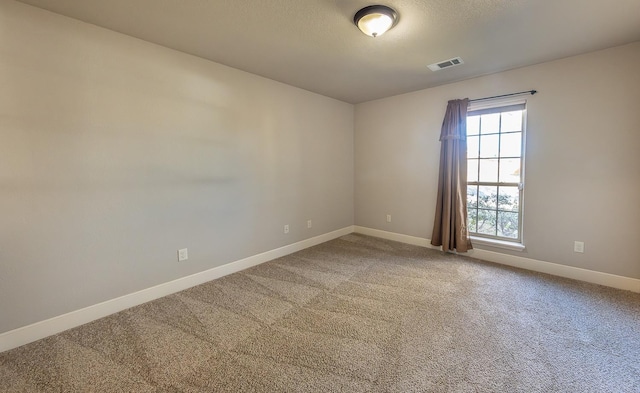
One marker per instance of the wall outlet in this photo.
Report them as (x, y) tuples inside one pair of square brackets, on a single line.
[(286, 228), (183, 255), (388, 217), (309, 224), (578, 246)]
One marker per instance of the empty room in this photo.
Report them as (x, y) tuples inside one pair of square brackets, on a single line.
[(319, 196)]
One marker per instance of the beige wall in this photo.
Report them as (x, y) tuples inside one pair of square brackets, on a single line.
[(114, 153), (582, 163)]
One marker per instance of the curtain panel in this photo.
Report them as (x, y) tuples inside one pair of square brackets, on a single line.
[(450, 223)]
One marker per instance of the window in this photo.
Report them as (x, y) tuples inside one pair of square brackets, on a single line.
[(495, 158)]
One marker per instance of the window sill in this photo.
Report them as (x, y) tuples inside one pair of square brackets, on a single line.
[(483, 241)]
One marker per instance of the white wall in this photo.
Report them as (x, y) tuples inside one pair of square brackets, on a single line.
[(582, 162), (114, 153)]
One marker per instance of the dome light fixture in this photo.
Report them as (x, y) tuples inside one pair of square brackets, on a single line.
[(375, 20)]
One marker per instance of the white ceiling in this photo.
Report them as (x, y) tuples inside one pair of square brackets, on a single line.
[(314, 45)]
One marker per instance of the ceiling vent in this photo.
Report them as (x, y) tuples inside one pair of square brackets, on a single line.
[(445, 64)]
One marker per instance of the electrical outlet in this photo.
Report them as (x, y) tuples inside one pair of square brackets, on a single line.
[(286, 228), (309, 224), (578, 246), (388, 217), (183, 255)]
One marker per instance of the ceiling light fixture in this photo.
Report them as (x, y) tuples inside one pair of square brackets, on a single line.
[(375, 20)]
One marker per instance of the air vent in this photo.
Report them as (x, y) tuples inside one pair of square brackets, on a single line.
[(445, 64)]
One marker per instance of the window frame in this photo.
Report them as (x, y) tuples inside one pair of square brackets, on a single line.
[(499, 106)]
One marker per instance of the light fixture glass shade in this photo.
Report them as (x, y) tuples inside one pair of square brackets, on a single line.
[(375, 20)]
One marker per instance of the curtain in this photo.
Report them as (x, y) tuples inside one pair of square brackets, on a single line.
[(450, 224)]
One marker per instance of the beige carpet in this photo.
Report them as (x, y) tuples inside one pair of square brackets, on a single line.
[(356, 314)]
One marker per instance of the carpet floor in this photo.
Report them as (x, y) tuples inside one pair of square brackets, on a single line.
[(356, 314)]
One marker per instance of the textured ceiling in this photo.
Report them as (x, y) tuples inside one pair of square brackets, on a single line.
[(313, 44)]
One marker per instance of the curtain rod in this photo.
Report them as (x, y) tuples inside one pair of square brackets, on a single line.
[(532, 92)]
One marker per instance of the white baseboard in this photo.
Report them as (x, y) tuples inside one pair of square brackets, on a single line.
[(398, 237), (24, 335), (576, 273)]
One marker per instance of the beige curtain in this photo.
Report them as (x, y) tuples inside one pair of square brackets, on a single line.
[(450, 224)]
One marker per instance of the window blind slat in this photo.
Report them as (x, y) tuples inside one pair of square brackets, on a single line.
[(507, 108)]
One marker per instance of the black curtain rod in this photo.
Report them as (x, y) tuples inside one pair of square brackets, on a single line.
[(532, 92)]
